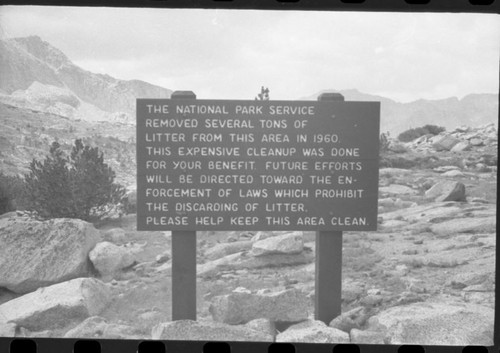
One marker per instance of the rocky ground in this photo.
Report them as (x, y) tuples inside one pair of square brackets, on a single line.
[(426, 276)]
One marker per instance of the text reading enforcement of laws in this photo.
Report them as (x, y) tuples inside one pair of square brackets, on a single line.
[(257, 165)]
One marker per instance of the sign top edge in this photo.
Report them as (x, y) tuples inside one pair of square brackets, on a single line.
[(252, 101)]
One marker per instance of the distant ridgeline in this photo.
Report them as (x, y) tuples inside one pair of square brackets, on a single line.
[(472, 110)]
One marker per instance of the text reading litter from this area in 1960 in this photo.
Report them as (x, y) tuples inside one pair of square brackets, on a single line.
[(260, 165)]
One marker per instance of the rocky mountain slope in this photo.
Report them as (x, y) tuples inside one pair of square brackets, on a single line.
[(472, 110), (37, 76), (26, 134)]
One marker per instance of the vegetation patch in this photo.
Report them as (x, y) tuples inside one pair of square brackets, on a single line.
[(79, 185), (412, 134)]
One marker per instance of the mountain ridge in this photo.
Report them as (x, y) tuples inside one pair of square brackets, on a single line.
[(29, 61), (474, 109), (38, 76)]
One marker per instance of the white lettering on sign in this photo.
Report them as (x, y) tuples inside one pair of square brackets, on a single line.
[(231, 165), (218, 151), (291, 110), (271, 151), (273, 124), (249, 109), (202, 109), (275, 138), (348, 221), (257, 165), (171, 123), (311, 221), (163, 192), (229, 123), (157, 109), (167, 221)]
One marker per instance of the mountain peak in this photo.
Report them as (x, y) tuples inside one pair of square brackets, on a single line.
[(36, 74), (42, 50)]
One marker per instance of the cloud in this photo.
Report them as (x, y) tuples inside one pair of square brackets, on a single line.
[(231, 53)]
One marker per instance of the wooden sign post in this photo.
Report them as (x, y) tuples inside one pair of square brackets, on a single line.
[(328, 263), (183, 261), (239, 165)]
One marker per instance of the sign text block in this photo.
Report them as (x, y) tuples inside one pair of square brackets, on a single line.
[(257, 165)]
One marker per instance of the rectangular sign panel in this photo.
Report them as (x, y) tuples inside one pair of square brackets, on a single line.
[(257, 165)]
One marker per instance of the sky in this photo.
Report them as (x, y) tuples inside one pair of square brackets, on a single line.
[(230, 54)]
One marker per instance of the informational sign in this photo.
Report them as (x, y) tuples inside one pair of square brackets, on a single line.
[(257, 165)]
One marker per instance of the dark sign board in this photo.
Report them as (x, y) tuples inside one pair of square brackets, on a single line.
[(257, 165)]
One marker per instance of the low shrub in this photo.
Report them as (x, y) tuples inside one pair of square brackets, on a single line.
[(412, 134), (80, 185)]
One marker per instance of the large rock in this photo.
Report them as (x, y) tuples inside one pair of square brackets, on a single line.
[(445, 168), (436, 324), (108, 258), (274, 260), (92, 327), (392, 224), (446, 190), (445, 143), (7, 330), (461, 146), (475, 141), (462, 280), (366, 337), (353, 318), (453, 174), (290, 243), (98, 327), (115, 235), (163, 257), (262, 235), (36, 254), (224, 249), (240, 307), (313, 331), (465, 225), (263, 325), (11, 214), (58, 305), (206, 331), (212, 268), (243, 260), (23, 332)]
